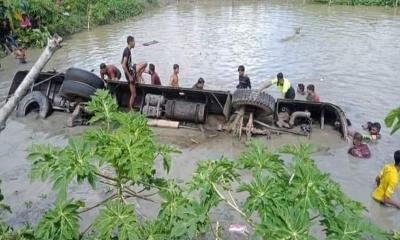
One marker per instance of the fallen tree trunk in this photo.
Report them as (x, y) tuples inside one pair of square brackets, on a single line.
[(52, 45)]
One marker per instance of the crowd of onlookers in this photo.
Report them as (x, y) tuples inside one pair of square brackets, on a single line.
[(8, 38)]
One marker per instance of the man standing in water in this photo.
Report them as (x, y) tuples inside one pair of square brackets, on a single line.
[(174, 79), (387, 181), (283, 85)]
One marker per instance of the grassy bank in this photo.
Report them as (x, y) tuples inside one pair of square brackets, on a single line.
[(390, 3), (66, 17)]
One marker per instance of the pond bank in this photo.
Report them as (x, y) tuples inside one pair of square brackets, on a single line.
[(386, 3), (67, 18)]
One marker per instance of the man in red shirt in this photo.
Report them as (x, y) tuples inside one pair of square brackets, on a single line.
[(359, 149), (155, 79), (111, 71)]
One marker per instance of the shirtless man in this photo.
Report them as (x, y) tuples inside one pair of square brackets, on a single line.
[(20, 54), (174, 79)]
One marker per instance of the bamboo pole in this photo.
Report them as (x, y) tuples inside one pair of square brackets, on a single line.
[(52, 45), (88, 16)]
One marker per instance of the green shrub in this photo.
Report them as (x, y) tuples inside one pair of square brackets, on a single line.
[(391, 3), (33, 37), (68, 18), (287, 198)]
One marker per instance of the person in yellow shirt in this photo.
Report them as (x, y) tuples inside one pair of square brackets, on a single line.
[(387, 181), (283, 85)]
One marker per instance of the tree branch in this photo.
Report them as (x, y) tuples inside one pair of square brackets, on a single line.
[(212, 229), (106, 177), (248, 220), (233, 200), (138, 196), (108, 183), (98, 204), (144, 189), (85, 231)]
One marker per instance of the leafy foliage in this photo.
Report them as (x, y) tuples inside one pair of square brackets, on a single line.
[(67, 16), (3, 207), (392, 120), (165, 152), (117, 218), (284, 199), (129, 149), (286, 223), (103, 107), (391, 3), (23, 233), (61, 222), (63, 165), (33, 37), (257, 158)]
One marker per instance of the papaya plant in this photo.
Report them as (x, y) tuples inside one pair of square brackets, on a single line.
[(392, 120), (283, 199)]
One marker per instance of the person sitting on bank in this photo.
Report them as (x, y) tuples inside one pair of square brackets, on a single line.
[(111, 71), (283, 85), (311, 95), (359, 149), (7, 38), (199, 85), (244, 80), (155, 79), (174, 79), (25, 22), (300, 89), (386, 182)]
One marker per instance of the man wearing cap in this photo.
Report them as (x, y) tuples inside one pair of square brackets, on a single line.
[(283, 85)]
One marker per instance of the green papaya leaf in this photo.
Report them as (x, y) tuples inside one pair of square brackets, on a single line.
[(61, 222)]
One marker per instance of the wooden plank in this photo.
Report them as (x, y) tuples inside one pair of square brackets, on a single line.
[(227, 107), (162, 123)]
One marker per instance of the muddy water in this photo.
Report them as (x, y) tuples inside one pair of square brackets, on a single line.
[(351, 55)]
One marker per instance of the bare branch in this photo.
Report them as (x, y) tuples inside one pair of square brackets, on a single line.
[(108, 183), (138, 196), (212, 229), (248, 220), (106, 177), (233, 200), (98, 204), (85, 231)]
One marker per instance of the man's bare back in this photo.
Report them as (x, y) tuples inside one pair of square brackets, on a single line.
[(174, 80)]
